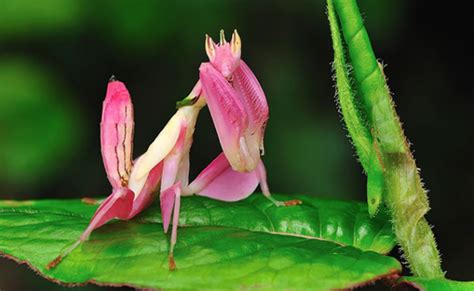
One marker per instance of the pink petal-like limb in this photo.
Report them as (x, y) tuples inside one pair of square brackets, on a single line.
[(219, 181), (121, 204), (255, 103), (229, 117), (118, 205), (116, 134), (116, 145), (146, 195), (252, 95)]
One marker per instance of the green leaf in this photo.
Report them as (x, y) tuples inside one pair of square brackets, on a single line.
[(229, 245), (437, 284)]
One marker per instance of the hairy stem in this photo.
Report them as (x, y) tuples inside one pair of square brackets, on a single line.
[(403, 191)]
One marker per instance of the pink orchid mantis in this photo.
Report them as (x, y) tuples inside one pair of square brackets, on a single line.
[(239, 111), (133, 183)]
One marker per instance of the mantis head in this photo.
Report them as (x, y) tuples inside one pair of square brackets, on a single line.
[(224, 56)]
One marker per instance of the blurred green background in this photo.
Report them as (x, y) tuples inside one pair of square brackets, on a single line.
[(56, 57)]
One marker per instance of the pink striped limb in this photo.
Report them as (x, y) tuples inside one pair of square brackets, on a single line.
[(219, 181)]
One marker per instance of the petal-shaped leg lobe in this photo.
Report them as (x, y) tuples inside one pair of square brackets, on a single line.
[(215, 168), (227, 112), (147, 194), (118, 205), (219, 181)]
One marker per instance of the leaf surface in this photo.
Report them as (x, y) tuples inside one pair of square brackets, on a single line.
[(321, 244)]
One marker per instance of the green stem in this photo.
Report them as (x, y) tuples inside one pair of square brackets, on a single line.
[(403, 190)]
